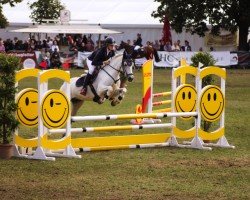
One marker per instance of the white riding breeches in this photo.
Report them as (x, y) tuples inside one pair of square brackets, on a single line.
[(90, 66)]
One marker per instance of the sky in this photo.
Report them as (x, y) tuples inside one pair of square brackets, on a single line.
[(94, 11)]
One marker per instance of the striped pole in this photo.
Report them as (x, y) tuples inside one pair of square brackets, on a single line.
[(133, 116), (158, 103), (111, 128), (162, 94), (134, 146), (162, 110)]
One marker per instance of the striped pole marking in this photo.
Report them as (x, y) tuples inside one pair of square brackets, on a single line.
[(158, 103), (162, 110), (111, 128), (134, 146), (133, 116), (162, 94)]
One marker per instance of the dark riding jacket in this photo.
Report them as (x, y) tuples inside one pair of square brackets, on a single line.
[(100, 55)]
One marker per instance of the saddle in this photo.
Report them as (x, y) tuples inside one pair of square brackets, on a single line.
[(80, 80)]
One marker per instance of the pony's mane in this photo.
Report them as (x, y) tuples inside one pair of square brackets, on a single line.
[(118, 55)]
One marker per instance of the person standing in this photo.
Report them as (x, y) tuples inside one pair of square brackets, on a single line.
[(138, 41), (2, 47), (186, 47)]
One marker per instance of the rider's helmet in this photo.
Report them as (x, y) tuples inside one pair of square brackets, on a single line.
[(109, 40)]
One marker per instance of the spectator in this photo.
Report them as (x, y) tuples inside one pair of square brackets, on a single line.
[(176, 47), (38, 46), (2, 47), (89, 47), (156, 45), (8, 45), (138, 41), (73, 47), (161, 45), (186, 47), (200, 49), (25, 45), (148, 44), (167, 46), (211, 49), (55, 59), (31, 45), (70, 40), (179, 43), (45, 45), (82, 47), (50, 42), (54, 46), (84, 39), (90, 39)]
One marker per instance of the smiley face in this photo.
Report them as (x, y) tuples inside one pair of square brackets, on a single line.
[(27, 102), (185, 99), (212, 103), (55, 109)]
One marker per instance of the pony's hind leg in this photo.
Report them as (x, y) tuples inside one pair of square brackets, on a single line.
[(76, 104)]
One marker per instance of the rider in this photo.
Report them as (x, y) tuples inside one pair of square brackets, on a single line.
[(100, 57)]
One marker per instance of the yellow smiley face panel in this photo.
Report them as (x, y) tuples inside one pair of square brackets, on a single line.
[(55, 109), (27, 102), (185, 99), (212, 103)]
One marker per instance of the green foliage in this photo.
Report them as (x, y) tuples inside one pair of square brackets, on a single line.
[(11, 2), (8, 65), (193, 15), (3, 20), (45, 9), (207, 60)]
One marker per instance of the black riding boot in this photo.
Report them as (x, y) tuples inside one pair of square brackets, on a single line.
[(85, 84)]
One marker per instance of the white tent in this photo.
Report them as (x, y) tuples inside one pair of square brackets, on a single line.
[(68, 29)]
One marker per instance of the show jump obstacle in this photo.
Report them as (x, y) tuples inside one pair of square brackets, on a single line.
[(49, 110)]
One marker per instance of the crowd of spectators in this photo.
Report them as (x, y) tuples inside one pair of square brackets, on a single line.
[(160, 45), (50, 47), (78, 42)]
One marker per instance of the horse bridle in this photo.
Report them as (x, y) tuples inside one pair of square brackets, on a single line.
[(123, 71)]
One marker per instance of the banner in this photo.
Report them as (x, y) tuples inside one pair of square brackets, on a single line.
[(28, 59), (81, 57), (172, 59), (229, 39)]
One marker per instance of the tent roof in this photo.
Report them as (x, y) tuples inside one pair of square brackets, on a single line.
[(94, 11), (70, 29)]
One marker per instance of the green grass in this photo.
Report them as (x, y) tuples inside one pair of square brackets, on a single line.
[(160, 173)]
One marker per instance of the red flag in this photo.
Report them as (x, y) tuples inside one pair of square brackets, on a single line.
[(166, 34)]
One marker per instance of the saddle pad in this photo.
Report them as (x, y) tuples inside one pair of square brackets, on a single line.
[(80, 81)]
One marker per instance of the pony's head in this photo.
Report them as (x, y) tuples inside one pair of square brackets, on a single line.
[(127, 65), (123, 63)]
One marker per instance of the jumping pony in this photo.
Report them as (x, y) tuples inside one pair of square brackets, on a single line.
[(106, 85)]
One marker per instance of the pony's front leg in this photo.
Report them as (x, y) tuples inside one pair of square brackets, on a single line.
[(105, 91)]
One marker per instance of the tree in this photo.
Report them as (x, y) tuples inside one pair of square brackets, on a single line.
[(45, 9), (231, 15), (3, 20)]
